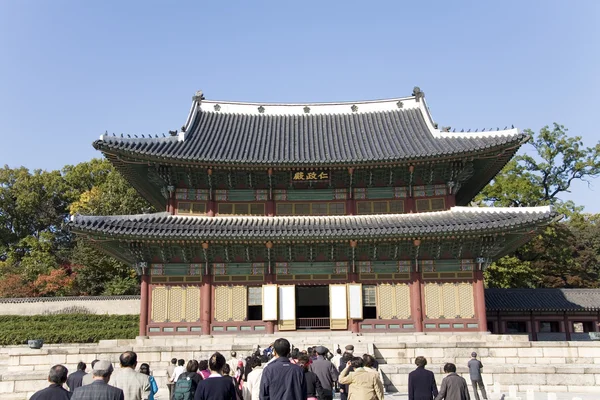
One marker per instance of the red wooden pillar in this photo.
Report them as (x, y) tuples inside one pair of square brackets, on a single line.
[(210, 208), (479, 295), (270, 325), (350, 201), (567, 327), (450, 201), (415, 300), (206, 304), (270, 208), (144, 304)]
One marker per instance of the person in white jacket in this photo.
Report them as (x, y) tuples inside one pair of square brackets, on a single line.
[(252, 385)]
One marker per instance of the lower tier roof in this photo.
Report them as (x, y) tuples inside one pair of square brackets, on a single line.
[(456, 221), (542, 299)]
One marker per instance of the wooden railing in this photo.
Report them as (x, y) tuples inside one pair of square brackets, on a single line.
[(312, 323)]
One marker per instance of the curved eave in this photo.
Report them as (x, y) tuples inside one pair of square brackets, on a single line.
[(508, 148), (444, 224)]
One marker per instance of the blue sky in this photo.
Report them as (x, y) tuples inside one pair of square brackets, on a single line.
[(70, 70)]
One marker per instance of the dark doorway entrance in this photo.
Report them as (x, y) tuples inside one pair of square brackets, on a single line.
[(312, 307)]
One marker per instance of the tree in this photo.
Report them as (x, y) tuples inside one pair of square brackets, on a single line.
[(98, 189), (560, 256), (528, 181)]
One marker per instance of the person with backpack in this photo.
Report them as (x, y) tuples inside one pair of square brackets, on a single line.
[(145, 369), (187, 383)]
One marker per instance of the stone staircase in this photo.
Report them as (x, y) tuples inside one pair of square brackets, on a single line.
[(509, 360)]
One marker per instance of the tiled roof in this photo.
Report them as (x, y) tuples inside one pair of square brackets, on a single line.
[(458, 220), (542, 299), (322, 134)]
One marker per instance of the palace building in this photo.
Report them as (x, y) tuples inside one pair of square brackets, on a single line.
[(343, 216)]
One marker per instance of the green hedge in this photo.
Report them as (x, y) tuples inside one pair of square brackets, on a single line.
[(67, 328)]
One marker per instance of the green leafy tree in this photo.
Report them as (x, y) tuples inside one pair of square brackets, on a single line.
[(551, 258), (528, 181)]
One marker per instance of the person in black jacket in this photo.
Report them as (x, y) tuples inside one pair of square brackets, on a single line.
[(347, 356), (282, 380), (75, 379), (314, 390), (421, 382), (57, 377), (216, 386)]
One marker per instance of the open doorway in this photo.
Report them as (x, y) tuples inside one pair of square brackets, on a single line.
[(312, 307)]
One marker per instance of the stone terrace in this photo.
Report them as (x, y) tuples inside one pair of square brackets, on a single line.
[(508, 360)]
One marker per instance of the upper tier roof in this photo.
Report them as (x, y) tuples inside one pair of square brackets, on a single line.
[(350, 133), (456, 221)]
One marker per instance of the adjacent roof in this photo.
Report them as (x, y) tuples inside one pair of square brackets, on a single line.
[(266, 134), (542, 299), (458, 220)]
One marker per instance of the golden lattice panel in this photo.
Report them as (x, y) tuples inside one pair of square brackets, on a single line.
[(402, 301), (386, 301), (222, 301), (176, 304), (239, 303), (466, 300), (433, 296), (159, 307), (449, 300), (192, 304)]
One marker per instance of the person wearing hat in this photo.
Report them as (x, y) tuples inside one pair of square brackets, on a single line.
[(325, 371), (475, 373), (350, 349), (99, 388)]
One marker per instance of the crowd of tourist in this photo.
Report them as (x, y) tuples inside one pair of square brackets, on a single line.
[(279, 372)]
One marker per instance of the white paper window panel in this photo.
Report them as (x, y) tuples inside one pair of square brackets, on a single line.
[(287, 302), (355, 301), (337, 297), (269, 305)]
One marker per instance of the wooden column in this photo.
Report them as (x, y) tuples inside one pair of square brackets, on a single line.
[(354, 323), (206, 304), (270, 208), (144, 304), (450, 201), (350, 201), (270, 325), (567, 327), (533, 327), (415, 300), (479, 295), (211, 208), (206, 294)]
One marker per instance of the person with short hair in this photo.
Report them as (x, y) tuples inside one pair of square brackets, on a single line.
[(170, 371), (75, 379), (57, 377), (135, 385), (216, 386), (454, 387), (99, 389), (314, 389), (187, 381), (179, 369), (233, 363), (475, 374), (203, 369), (252, 385), (363, 383), (421, 382), (282, 380), (326, 372), (88, 378)]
